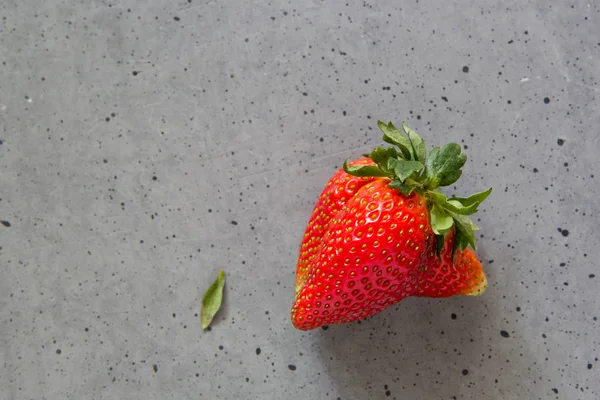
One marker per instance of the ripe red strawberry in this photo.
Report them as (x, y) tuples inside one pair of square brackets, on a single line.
[(381, 231)]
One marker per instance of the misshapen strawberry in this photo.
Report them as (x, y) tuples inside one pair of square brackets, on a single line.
[(382, 231)]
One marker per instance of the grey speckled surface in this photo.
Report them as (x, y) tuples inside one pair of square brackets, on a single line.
[(135, 134)]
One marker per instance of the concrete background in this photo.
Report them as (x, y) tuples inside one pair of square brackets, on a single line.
[(147, 144)]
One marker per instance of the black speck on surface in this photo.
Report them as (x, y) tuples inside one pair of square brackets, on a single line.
[(176, 18), (5, 223), (134, 73), (155, 178), (465, 69), (555, 390), (453, 316), (560, 142), (590, 366), (465, 372), (292, 367), (155, 368), (546, 100), (564, 232), (234, 223), (58, 351), (504, 334), (258, 351)]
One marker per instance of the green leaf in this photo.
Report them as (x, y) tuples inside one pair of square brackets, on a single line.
[(465, 231), (444, 165), (392, 152), (404, 188), (439, 245), (456, 245), (211, 301), (477, 198), (418, 145), (380, 156), (452, 205), (403, 168), (364, 170), (441, 220), (393, 136)]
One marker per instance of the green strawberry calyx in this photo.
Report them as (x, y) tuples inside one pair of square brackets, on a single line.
[(411, 169)]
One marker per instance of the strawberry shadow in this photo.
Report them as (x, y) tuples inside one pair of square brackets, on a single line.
[(419, 349)]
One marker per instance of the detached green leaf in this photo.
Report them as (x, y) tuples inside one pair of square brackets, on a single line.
[(441, 220), (418, 145), (211, 301), (444, 165), (393, 136), (364, 170), (477, 198), (403, 168)]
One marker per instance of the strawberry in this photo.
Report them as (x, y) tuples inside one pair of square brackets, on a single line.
[(382, 231)]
